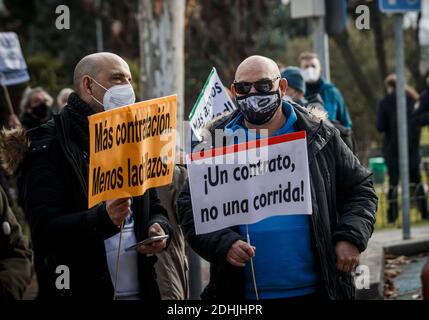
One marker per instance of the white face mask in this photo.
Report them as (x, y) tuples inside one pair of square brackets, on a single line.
[(117, 96), (310, 74)]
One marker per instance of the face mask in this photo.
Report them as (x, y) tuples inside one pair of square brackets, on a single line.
[(40, 111), (117, 96), (258, 108), (310, 74)]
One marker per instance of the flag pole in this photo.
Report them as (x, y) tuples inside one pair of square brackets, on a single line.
[(252, 266), (7, 98)]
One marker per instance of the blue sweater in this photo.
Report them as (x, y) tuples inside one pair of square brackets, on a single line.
[(284, 260)]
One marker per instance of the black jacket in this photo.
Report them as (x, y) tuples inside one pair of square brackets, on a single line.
[(64, 230), (30, 122), (15, 255), (387, 123), (420, 116), (344, 206)]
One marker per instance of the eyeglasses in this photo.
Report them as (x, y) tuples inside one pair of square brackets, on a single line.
[(262, 86)]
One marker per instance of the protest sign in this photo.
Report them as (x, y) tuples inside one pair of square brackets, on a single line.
[(12, 63), (132, 149), (225, 194), (212, 102)]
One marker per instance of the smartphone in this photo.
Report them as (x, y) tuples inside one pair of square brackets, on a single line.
[(147, 241)]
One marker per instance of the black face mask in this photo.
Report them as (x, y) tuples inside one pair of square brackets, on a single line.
[(40, 111), (258, 108)]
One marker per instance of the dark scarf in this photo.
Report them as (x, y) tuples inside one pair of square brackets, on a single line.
[(79, 112)]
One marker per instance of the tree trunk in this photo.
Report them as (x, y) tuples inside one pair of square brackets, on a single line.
[(380, 49), (367, 91), (162, 61), (413, 60)]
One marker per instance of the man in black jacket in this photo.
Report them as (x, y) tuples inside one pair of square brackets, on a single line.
[(75, 247), (343, 203), (387, 123), (420, 114)]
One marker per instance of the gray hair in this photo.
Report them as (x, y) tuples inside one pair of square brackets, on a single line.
[(62, 96), (28, 94)]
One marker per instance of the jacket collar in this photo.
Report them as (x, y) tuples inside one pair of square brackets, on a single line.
[(318, 133)]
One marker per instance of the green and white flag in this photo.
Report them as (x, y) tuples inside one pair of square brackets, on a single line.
[(212, 102)]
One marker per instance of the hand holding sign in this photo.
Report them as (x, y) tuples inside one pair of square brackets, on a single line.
[(240, 253), (118, 210)]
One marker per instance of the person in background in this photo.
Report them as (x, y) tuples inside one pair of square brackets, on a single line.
[(296, 85), (333, 100), (15, 255), (387, 123), (420, 115), (62, 98), (36, 106), (172, 265)]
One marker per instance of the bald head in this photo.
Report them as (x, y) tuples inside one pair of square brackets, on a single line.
[(98, 70), (255, 68), (264, 76), (93, 64)]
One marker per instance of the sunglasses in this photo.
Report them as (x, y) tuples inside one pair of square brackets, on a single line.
[(262, 86)]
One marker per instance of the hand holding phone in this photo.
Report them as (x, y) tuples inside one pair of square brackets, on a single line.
[(147, 241)]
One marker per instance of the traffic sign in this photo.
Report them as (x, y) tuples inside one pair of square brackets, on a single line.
[(399, 6)]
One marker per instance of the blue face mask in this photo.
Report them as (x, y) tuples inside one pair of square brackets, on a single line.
[(258, 108)]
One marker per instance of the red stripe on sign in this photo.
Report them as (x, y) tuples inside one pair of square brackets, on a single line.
[(248, 145)]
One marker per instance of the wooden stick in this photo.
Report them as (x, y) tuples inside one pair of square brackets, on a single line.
[(252, 266), (8, 101), (117, 262)]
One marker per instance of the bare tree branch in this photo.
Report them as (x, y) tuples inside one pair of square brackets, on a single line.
[(379, 44), (355, 69)]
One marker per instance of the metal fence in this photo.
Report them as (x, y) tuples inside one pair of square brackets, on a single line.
[(416, 199)]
